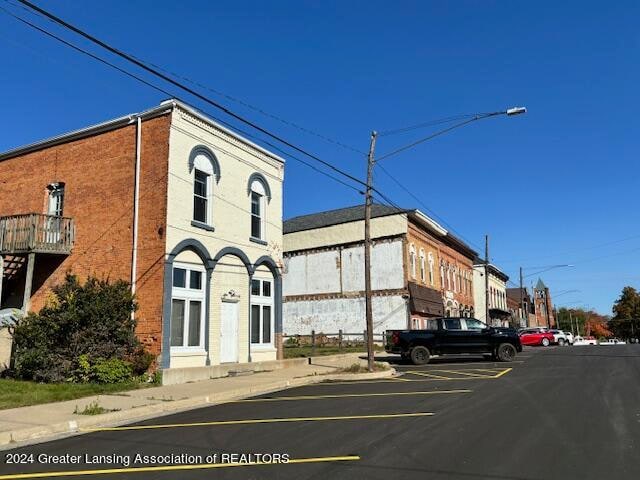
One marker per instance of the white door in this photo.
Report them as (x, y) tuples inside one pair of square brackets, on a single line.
[(229, 332), (54, 210)]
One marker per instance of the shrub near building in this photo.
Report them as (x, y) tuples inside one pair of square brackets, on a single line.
[(85, 333)]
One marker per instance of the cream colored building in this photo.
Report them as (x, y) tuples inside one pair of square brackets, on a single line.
[(499, 314), (223, 245)]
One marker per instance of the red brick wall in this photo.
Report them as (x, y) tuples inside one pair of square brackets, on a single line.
[(98, 173)]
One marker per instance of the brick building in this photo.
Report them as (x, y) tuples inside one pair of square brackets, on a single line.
[(544, 316), (411, 254), (186, 210), (523, 314)]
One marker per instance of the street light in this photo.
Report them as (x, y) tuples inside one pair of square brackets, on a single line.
[(512, 111)]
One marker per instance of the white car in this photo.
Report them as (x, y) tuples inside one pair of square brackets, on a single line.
[(585, 341), (561, 338), (613, 341)]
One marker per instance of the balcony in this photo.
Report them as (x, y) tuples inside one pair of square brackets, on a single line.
[(36, 233)]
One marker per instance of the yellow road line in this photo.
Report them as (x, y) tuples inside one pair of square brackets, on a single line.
[(170, 468), (460, 372), (490, 370), (257, 420), (505, 371), (349, 395), (430, 375)]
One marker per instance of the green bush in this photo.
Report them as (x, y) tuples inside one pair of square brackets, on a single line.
[(113, 370), (80, 327)]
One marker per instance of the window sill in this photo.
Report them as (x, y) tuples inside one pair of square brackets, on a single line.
[(204, 226), (257, 347), (186, 352), (258, 241)]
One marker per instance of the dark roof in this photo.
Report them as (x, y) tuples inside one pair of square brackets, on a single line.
[(514, 293), (459, 246), (335, 217)]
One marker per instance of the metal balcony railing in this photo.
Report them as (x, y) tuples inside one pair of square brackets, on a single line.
[(36, 233)]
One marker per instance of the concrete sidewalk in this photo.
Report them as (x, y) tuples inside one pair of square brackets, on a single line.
[(20, 426)]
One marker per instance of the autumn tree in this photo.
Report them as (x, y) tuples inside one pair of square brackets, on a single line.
[(626, 311)]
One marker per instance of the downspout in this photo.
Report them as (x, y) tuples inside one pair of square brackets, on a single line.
[(136, 201)]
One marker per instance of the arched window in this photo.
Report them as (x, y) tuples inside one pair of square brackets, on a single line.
[(454, 273), (430, 268), (412, 260), (423, 274), (260, 195), (205, 169), (442, 275)]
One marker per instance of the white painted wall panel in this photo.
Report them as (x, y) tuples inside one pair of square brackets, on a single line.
[(346, 314)]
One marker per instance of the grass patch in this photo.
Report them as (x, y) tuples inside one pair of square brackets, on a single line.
[(358, 368), (94, 408), (300, 352), (21, 393)]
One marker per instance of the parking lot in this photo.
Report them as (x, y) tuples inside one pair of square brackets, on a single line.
[(554, 413)]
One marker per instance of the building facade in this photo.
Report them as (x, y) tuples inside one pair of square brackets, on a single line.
[(186, 210), (499, 314), (521, 307), (324, 271), (544, 316)]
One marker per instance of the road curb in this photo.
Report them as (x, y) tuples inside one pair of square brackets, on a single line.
[(81, 425)]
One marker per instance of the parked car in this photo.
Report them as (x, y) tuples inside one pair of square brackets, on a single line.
[(453, 336), (536, 336), (613, 341), (561, 338), (579, 341)]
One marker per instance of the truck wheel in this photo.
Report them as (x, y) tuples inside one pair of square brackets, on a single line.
[(420, 355), (545, 342), (506, 352)]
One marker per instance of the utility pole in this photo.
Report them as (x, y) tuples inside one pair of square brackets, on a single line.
[(571, 322), (525, 314), (367, 252), (486, 279)]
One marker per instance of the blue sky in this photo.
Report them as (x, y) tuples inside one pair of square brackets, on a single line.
[(558, 185)]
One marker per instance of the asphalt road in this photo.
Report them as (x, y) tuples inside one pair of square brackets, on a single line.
[(555, 413)]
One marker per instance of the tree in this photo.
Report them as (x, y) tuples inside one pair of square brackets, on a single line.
[(626, 310), (83, 330)]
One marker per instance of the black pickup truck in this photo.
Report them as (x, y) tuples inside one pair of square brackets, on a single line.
[(451, 336)]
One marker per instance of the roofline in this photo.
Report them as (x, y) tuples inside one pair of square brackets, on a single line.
[(495, 270), (197, 113), (428, 221), (164, 108), (404, 212)]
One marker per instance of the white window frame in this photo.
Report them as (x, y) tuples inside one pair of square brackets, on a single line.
[(203, 163), (430, 260), (207, 198), (423, 273), (261, 211), (412, 260), (188, 294), (261, 300)]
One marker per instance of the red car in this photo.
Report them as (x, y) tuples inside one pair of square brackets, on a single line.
[(536, 336)]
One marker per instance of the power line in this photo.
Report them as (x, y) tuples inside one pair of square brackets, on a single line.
[(140, 63), (233, 99), (436, 134), (187, 89), (419, 200), (169, 94), (430, 123)]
